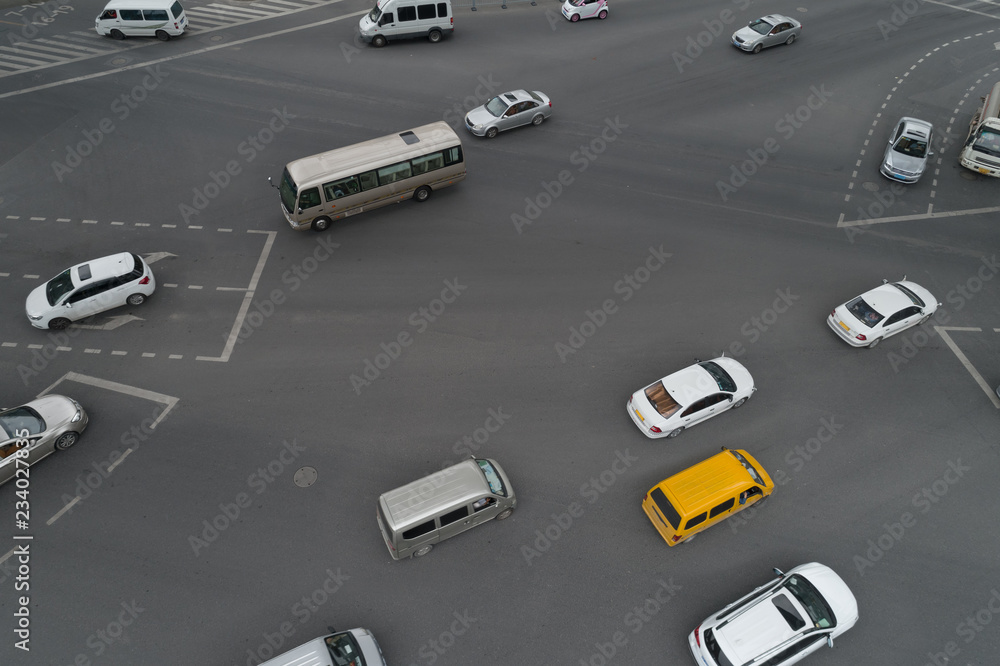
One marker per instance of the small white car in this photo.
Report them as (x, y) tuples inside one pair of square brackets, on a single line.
[(881, 312), (35, 430), (89, 288), (574, 10), (689, 396), (780, 623)]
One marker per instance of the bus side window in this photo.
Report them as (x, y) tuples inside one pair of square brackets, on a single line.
[(427, 163), (453, 155), (369, 180), (341, 188), (309, 198)]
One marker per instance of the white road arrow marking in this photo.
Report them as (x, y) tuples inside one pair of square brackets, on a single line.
[(153, 257), (112, 323)]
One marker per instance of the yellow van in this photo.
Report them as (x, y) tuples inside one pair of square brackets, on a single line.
[(701, 496)]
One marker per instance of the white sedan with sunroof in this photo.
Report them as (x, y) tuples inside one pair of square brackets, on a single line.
[(689, 396), (883, 311)]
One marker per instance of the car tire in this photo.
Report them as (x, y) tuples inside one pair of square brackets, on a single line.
[(603, 15), (136, 299), (791, 38), (739, 403), (505, 514), (757, 48), (321, 224), (574, 18), (66, 440), (491, 133), (690, 538), (423, 550), (58, 324), (422, 194), (676, 431), (538, 120), (759, 503), (117, 34), (434, 36), (874, 343), (378, 41), (162, 36), (924, 320)]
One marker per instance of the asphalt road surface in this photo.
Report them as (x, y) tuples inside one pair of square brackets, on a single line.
[(684, 199)]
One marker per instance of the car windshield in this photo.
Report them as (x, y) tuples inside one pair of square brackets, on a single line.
[(814, 603), (661, 400), (59, 286), (375, 14), (720, 376), (916, 300), (911, 147), (577, 3), (288, 191), (492, 477), (496, 106), (344, 650), (865, 313), (754, 474), (761, 26), (18, 420), (987, 141)]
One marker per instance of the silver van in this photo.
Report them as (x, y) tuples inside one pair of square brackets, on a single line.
[(390, 20), (356, 646), (416, 516)]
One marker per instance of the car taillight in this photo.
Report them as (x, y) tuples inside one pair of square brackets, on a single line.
[(550, 104), (144, 280), (654, 429), (630, 400), (675, 538), (833, 313), (861, 336), (697, 635), (453, 21)]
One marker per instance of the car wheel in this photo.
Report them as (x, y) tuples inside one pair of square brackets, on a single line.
[(117, 34), (434, 36), (378, 41), (791, 38), (58, 324), (66, 440), (505, 514), (574, 18), (162, 36), (538, 120), (690, 538), (422, 193), (924, 320), (321, 224), (874, 343), (136, 299), (491, 132), (759, 503), (757, 48), (739, 403), (674, 433), (603, 15), (423, 550)]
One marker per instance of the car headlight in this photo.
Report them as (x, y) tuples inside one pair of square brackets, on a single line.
[(478, 126), (34, 317)]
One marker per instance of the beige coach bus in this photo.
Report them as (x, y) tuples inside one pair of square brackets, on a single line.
[(316, 190)]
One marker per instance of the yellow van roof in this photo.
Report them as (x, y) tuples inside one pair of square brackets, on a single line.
[(700, 487)]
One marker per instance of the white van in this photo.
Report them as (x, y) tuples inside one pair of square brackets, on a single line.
[(404, 19), (356, 646), (142, 18)]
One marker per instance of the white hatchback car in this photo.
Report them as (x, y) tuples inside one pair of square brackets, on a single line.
[(89, 288), (688, 396), (883, 311), (574, 10), (780, 623)]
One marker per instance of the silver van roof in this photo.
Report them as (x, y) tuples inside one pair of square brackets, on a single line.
[(424, 498)]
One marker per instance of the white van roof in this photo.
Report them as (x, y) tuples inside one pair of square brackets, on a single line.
[(139, 4)]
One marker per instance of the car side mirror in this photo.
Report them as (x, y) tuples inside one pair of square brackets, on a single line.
[(829, 641), (269, 181), (778, 572)]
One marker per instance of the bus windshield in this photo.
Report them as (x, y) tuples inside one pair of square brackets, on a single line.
[(288, 192), (987, 141), (375, 14)]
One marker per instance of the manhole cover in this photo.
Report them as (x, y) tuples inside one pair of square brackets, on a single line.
[(968, 175), (216, 38), (119, 62), (305, 477), (870, 186)]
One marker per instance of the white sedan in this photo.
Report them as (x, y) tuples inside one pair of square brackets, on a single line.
[(678, 401), (885, 310), (779, 623)]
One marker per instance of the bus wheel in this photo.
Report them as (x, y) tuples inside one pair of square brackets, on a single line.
[(162, 36), (321, 224), (434, 36), (378, 41), (117, 34), (422, 193)]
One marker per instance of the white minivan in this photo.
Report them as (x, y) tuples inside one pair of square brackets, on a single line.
[(405, 19), (127, 18), (356, 646)]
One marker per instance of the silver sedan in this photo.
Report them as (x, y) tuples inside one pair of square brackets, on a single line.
[(769, 30), (33, 431), (507, 111)]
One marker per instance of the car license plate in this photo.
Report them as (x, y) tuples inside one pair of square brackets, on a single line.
[(844, 326), (986, 171), (639, 415)]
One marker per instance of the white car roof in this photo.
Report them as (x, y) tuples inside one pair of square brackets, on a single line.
[(887, 299), (100, 269), (694, 382)]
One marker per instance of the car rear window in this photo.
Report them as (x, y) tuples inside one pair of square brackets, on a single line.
[(176, 9), (661, 400), (535, 96), (865, 313), (666, 508), (720, 376)]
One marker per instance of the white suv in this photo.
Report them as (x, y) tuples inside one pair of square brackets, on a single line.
[(780, 623), (89, 288)]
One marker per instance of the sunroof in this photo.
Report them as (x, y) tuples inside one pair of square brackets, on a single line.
[(409, 138), (85, 273)]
